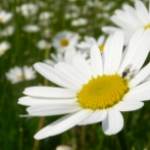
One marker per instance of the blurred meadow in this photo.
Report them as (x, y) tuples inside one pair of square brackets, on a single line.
[(26, 36)]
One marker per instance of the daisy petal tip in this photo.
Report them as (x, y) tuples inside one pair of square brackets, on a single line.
[(38, 137), (111, 133), (142, 105), (37, 65), (25, 91), (20, 101)]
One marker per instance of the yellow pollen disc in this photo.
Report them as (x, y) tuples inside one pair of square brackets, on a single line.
[(102, 92), (101, 47), (64, 42), (147, 26)]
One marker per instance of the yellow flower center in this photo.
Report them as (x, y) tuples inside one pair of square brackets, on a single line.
[(64, 42), (147, 26), (102, 92), (101, 47)]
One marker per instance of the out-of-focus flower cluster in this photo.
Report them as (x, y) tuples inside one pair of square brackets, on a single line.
[(63, 35)]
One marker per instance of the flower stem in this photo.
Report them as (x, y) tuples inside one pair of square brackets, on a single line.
[(36, 143)]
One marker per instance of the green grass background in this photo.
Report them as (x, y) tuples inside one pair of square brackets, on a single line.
[(17, 133)]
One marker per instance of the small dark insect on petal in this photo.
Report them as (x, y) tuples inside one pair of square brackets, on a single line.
[(125, 73)]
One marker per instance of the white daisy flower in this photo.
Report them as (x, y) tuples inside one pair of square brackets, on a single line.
[(45, 16), (65, 40), (65, 56), (79, 22), (4, 46), (71, 15), (29, 73), (31, 28), (15, 75), (88, 41), (19, 74), (43, 45), (130, 19), (28, 9), (5, 16), (93, 92), (8, 31)]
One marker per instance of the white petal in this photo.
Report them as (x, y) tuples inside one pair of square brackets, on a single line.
[(113, 52), (95, 117), (141, 11), (139, 93), (101, 40), (96, 61), (70, 73), (119, 21), (132, 16), (109, 29), (50, 111), (137, 51), (30, 101), (149, 7), (127, 19), (49, 92), (113, 123), (62, 124), (69, 54), (141, 76), (129, 105), (82, 66), (51, 74)]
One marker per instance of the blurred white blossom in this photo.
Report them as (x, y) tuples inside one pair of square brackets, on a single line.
[(79, 22), (8, 31), (29, 73), (5, 16), (31, 28), (28, 9), (64, 40), (71, 15), (88, 41), (65, 56), (4, 46), (44, 18), (18, 74), (45, 15), (63, 147), (43, 45)]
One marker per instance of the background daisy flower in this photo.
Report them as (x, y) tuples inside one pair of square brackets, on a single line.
[(93, 91), (88, 41), (4, 46), (65, 40), (130, 19), (5, 16), (19, 74)]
